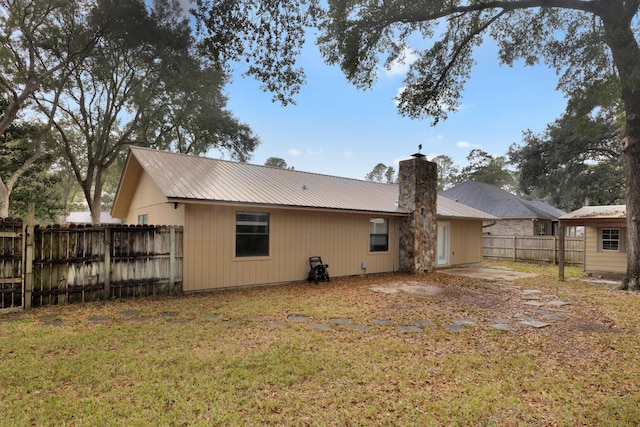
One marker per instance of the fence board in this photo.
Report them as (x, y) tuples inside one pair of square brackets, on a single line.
[(78, 264), (11, 251), (532, 248)]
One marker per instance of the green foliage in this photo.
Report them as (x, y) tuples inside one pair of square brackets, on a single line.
[(447, 172), (484, 167), (382, 173), (276, 162), (576, 159), (37, 184)]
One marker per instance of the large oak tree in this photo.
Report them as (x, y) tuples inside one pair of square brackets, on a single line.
[(592, 45)]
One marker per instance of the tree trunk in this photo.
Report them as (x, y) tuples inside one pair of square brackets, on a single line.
[(632, 162), (4, 200)]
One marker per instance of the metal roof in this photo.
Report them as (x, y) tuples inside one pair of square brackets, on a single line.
[(597, 212), (189, 178), (498, 202)]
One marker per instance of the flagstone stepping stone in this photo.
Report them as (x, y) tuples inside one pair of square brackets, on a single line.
[(297, 319), (534, 323), (361, 328), (321, 326), (454, 328), (523, 316), (99, 319), (558, 303), (464, 322), (130, 313), (213, 317), (383, 322), (531, 291), (502, 327), (424, 322), (554, 317), (180, 321), (560, 310), (340, 321), (170, 314), (499, 320), (408, 328), (256, 318), (273, 323), (137, 319), (538, 311), (229, 323), (531, 297), (534, 303)]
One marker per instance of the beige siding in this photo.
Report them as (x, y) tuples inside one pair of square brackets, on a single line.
[(147, 199), (341, 239), (465, 242), (603, 261)]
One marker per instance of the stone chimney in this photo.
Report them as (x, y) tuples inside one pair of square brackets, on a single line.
[(417, 179)]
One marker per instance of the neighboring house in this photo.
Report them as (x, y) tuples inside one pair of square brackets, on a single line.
[(605, 234), (85, 218), (247, 225), (516, 216)]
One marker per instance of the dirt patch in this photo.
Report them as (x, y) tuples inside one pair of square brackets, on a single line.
[(411, 288), (488, 273)]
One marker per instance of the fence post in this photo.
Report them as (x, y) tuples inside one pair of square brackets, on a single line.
[(172, 257), (107, 262), (561, 252), (515, 258), (28, 257)]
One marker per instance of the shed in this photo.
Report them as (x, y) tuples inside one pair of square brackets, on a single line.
[(605, 235), (247, 224)]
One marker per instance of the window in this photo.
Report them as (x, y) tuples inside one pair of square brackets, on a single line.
[(252, 234), (143, 219), (379, 235), (610, 239)]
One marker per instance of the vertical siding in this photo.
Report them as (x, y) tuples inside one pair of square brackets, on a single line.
[(341, 239), (465, 242), (147, 199), (614, 262)]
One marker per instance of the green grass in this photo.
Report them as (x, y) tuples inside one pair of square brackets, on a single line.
[(187, 369)]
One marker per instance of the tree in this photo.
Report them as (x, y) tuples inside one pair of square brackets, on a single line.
[(484, 167), (39, 41), (142, 84), (276, 162), (575, 159), (447, 172), (382, 173), (37, 183), (591, 43)]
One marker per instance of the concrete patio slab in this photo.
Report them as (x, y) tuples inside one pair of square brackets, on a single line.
[(487, 273)]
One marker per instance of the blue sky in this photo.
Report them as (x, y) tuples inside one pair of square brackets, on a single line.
[(338, 130)]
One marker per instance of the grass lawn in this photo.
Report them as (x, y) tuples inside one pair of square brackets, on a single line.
[(239, 358)]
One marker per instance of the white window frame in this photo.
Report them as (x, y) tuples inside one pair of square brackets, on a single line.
[(374, 231)]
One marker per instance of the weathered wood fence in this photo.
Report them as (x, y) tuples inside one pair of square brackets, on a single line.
[(532, 248), (54, 265)]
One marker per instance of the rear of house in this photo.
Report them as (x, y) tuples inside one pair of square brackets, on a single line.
[(247, 224)]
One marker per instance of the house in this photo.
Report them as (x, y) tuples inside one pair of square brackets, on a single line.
[(246, 224), (605, 234), (516, 216)]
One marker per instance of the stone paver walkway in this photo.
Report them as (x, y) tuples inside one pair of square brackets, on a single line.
[(538, 310)]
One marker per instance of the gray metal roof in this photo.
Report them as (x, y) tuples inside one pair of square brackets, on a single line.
[(498, 202), (189, 178), (597, 212)]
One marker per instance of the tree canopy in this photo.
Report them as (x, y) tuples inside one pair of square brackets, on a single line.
[(576, 159), (382, 173)]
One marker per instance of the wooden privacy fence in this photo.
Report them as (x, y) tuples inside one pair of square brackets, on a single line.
[(532, 248), (11, 262), (86, 263)]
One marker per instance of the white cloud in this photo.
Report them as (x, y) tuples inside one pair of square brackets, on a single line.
[(463, 144), (316, 153), (401, 65), (294, 152)]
